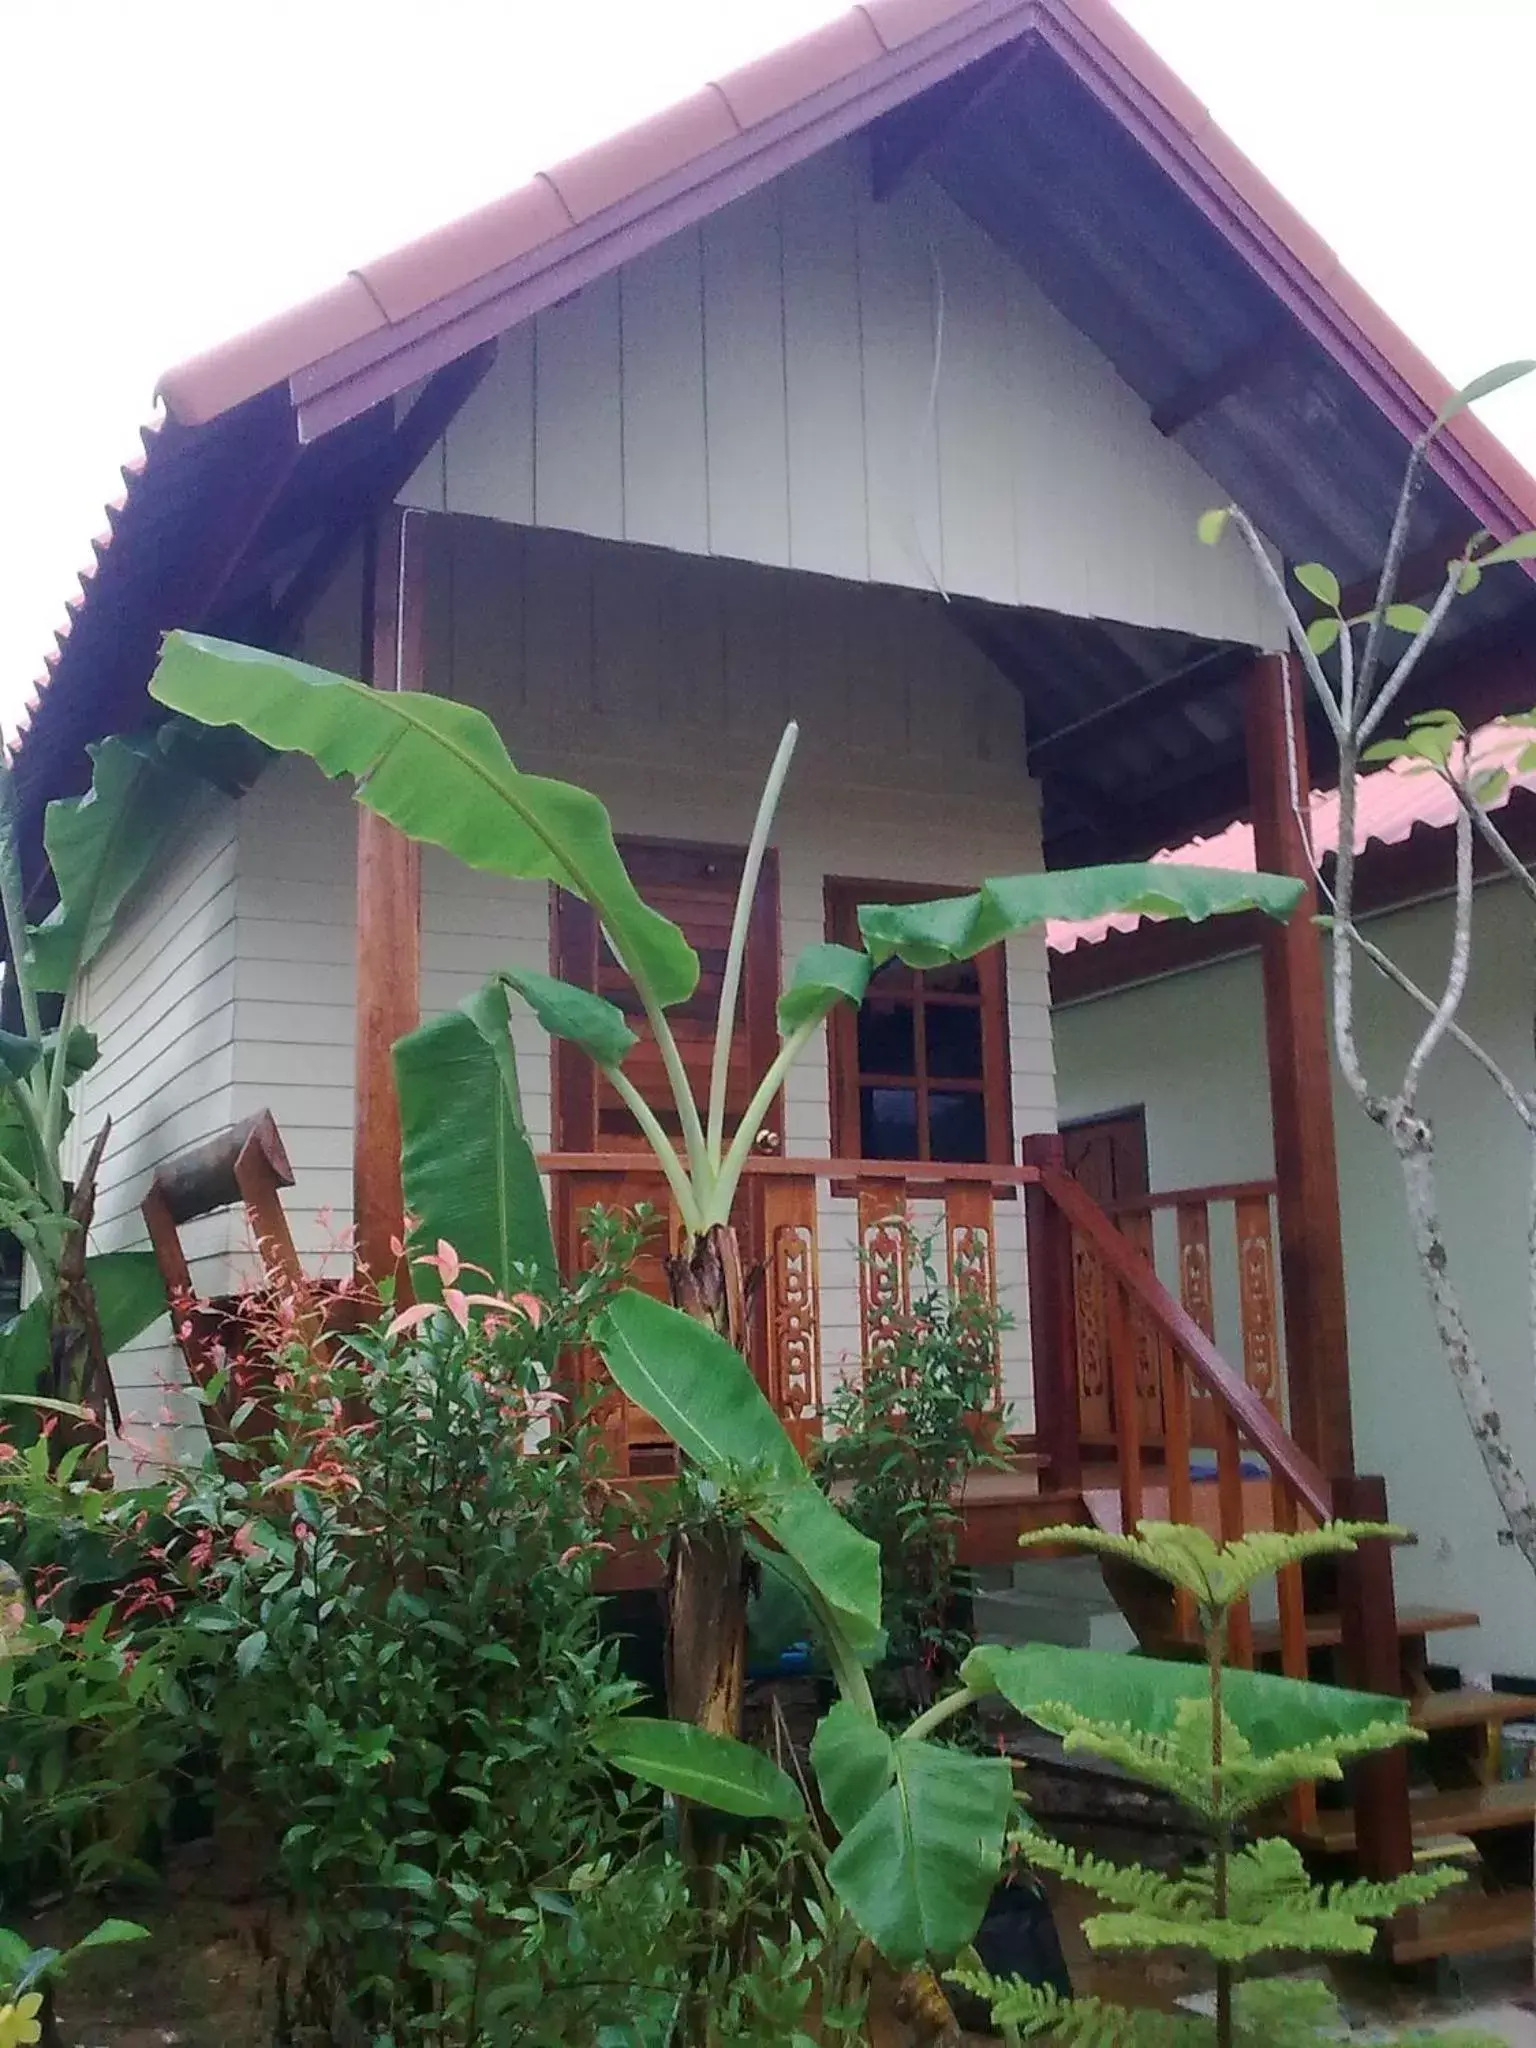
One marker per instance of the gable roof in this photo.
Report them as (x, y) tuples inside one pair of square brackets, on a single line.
[(391, 321), (1074, 147)]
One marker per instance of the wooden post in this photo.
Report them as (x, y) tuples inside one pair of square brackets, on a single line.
[(1371, 1659), (1300, 1084), (388, 896), (1052, 1331)]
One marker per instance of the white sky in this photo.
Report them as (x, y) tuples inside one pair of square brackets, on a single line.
[(175, 170)]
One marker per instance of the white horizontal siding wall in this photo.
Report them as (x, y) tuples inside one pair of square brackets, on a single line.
[(161, 998), (662, 683), (813, 380)]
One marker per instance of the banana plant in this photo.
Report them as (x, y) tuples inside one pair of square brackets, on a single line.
[(440, 773), (910, 1838), (99, 846)]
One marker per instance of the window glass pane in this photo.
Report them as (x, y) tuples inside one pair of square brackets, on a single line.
[(954, 1040), (961, 978), (957, 1125), (888, 1123), (887, 1039)]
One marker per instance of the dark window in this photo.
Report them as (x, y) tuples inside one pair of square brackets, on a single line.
[(920, 1071)]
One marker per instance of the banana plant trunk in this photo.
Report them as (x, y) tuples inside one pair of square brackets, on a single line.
[(706, 1570)]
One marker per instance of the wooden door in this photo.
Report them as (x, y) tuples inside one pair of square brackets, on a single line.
[(1108, 1154), (696, 887)]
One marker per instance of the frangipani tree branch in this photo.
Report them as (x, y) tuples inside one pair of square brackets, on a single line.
[(1444, 1013)]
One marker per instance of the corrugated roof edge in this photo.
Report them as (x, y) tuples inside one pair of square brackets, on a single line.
[(539, 216), (1392, 804)]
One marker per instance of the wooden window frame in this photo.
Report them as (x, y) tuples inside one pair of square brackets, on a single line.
[(842, 894)]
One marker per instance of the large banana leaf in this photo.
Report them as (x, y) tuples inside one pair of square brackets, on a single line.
[(129, 1296), (466, 1164), (701, 1390), (695, 1763), (439, 771), (917, 1870), (1274, 1714), (956, 927), (566, 1011), (824, 976), (100, 846), (854, 1761)]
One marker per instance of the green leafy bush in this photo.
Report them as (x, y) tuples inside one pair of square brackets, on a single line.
[(902, 1438), (394, 1640), (96, 1733)]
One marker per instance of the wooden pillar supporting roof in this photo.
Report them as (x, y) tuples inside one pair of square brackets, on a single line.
[(1300, 1081), (388, 895)]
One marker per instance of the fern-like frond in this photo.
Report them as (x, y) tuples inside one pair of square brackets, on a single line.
[(1233, 1941), (1158, 1759), (1118, 1884), (1369, 1899), (1286, 2012), (1033, 2010), (1216, 1575)]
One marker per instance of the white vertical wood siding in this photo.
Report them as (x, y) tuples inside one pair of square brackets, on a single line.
[(813, 380), (662, 683), (161, 998)]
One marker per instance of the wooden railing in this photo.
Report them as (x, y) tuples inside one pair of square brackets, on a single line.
[(829, 1243), (1201, 1234)]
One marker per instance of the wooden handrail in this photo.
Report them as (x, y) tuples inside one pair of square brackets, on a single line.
[(934, 1172), (1179, 1198), (1247, 1408)]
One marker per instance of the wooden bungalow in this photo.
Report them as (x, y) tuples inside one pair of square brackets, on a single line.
[(879, 384)]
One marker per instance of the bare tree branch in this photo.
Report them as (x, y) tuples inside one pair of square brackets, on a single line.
[(1505, 854), (1372, 715), (1298, 632), (1444, 1014), (1392, 565)]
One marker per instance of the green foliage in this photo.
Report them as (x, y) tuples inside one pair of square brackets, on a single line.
[(703, 1394), (468, 1170), (918, 1866), (439, 771), (129, 1296), (1223, 1743), (824, 976), (1215, 1575), (1273, 1715), (958, 927), (692, 1763), (1319, 582), (392, 1637), (96, 1739), (100, 847), (900, 1441)]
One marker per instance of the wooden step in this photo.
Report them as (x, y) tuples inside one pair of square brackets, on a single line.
[(1466, 1707), (1464, 1810), (1326, 1631), (1464, 1922)]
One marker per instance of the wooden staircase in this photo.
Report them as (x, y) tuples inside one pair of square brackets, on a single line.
[(1442, 1798)]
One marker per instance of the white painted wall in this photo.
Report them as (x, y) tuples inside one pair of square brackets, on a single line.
[(1191, 1047), (161, 998), (815, 381), (662, 683)]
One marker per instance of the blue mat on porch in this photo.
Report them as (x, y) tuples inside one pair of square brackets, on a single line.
[(1202, 1465)]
